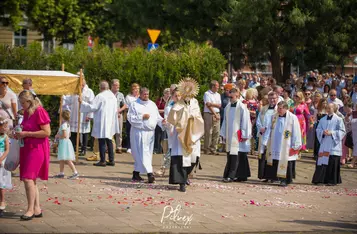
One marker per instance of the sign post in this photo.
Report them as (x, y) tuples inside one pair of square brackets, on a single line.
[(153, 34)]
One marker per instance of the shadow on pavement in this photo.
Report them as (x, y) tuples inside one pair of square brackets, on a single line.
[(142, 185), (337, 224), (10, 215)]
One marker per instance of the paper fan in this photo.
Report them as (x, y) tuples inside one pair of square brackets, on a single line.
[(188, 88)]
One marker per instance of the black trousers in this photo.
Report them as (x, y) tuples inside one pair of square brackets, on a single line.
[(271, 172), (85, 137), (243, 170), (105, 143), (178, 173), (230, 170), (159, 136), (261, 166)]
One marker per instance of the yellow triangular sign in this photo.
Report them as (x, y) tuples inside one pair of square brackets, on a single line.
[(153, 34)]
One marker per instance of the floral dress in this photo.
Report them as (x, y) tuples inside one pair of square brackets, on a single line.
[(303, 114)]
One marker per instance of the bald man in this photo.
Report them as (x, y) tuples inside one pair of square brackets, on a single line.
[(334, 99), (106, 124)]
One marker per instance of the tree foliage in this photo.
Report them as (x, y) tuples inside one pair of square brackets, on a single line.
[(310, 34), (156, 70)]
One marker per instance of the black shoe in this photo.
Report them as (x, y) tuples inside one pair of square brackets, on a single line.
[(27, 218), (265, 181), (83, 153), (182, 188), (136, 177), (151, 178), (110, 163), (40, 215), (227, 180), (100, 164), (283, 183)]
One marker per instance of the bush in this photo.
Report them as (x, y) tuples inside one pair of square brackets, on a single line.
[(156, 70)]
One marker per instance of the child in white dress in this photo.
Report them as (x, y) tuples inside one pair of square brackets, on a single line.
[(65, 148), (5, 176)]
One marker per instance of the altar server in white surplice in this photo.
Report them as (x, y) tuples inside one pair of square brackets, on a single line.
[(70, 103), (106, 125), (330, 133), (236, 130), (283, 141), (143, 116)]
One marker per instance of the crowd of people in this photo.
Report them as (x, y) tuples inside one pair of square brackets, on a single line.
[(244, 114)]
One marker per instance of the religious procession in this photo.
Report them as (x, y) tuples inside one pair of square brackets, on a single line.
[(253, 115), (190, 116)]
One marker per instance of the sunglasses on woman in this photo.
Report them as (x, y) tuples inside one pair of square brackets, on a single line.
[(4, 82)]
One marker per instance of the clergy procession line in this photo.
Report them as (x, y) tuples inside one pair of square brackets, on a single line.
[(261, 120)]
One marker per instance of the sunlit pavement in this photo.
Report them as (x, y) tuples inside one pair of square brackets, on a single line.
[(104, 200)]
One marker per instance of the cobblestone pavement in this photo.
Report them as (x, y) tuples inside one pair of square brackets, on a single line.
[(104, 200)]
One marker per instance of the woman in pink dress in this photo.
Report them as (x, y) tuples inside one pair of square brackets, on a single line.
[(301, 110), (35, 154)]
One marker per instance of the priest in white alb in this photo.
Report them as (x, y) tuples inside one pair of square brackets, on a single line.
[(106, 124), (330, 133), (187, 129), (236, 130), (283, 141), (143, 116), (265, 114), (70, 103)]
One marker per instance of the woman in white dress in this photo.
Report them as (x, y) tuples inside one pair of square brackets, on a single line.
[(130, 98)]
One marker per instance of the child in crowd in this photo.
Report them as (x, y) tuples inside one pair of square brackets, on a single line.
[(65, 148), (5, 176)]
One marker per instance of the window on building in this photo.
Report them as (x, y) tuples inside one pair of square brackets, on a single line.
[(20, 37)]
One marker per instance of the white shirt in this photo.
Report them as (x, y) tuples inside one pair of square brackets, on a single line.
[(214, 98), (104, 107), (70, 103), (130, 99), (336, 101)]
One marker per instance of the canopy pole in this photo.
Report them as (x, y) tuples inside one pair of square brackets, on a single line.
[(79, 112), (61, 104)]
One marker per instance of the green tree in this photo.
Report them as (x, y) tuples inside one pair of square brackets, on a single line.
[(12, 12), (67, 20)]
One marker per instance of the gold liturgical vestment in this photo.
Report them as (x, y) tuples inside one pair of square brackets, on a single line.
[(187, 119)]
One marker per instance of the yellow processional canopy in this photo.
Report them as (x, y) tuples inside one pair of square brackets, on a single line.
[(44, 82)]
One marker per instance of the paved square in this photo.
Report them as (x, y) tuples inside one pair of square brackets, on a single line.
[(104, 200)]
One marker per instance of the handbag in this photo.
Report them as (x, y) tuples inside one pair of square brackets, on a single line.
[(13, 158), (349, 140)]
